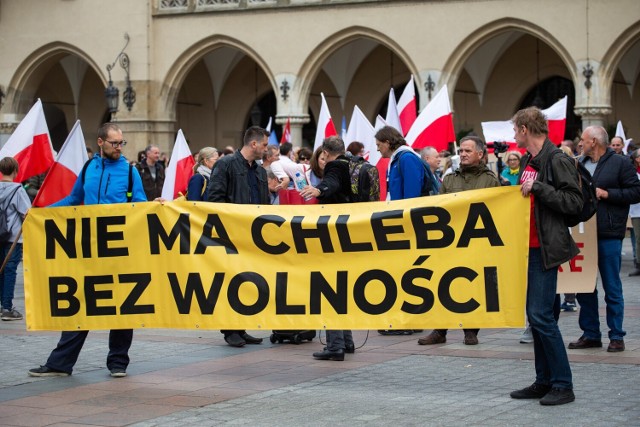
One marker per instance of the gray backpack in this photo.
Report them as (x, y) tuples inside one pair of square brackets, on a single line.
[(5, 232)]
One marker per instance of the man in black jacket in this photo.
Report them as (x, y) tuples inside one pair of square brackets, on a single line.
[(152, 172), (335, 187), (617, 187), (550, 245), (238, 178)]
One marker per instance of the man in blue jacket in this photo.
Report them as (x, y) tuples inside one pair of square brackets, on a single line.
[(107, 178), (617, 187)]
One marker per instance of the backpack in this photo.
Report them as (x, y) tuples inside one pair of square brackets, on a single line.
[(5, 232), (365, 180), (130, 186), (430, 184), (588, 189)]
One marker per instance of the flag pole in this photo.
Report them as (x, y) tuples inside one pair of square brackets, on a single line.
[(13, 245)]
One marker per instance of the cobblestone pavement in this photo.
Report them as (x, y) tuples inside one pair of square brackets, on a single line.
[(189, 378)]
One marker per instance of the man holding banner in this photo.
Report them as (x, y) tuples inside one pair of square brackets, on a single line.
[(472, 175), (107, 178), (335, 187), (238, 178), (551, 180)]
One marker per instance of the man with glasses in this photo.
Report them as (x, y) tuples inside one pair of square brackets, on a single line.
[(107, 178), (151, 172)]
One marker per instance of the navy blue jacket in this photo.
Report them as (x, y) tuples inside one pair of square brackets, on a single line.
[(617, 176)]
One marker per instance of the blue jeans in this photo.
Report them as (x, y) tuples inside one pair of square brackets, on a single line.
[(66, 353), (8, 275), (551, 361), (609, 260)]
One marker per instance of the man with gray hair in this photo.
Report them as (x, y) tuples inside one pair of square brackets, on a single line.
[(151, 172), (431, 156), (617, 187)]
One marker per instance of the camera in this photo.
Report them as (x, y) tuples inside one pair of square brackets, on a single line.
[(498, 147)]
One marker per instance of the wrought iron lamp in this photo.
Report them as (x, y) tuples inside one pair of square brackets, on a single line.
[(111, 92)]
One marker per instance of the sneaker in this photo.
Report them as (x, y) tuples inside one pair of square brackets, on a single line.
[(534, 391), (118, 373), (558, 396), (568, 306), (527, 336), (12, 314), (45, 371)]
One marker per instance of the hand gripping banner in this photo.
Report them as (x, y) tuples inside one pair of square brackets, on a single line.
[(449, 261)]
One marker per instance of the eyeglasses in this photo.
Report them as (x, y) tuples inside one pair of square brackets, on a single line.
[(117, 144), (513, 159), (302, 158)]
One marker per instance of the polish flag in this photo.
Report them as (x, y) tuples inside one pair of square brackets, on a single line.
[(500, 132), (434, 125), (382, 164), (286, 132), (30, 144), (556, 120), (180, 169), (325, 124), (361, 130), (64, 172), (407, 107), (393, 119)]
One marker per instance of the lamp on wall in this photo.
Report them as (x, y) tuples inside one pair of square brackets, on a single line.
[(111, 92)]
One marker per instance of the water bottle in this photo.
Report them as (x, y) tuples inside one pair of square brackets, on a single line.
[(300, 181)]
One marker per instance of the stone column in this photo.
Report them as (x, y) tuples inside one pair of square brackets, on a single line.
[(296, 123), (593, 115)]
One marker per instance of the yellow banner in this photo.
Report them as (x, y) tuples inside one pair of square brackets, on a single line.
[(449, 261)]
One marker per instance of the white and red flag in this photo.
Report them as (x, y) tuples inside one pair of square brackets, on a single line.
[(179, 170), (620, 133), (30, 144), (407, 107), (556, 120), (286, 132), (500, 132), (434, 125), (383, 163), (393, 119), (361, 130), (325, 124), (65, 170)]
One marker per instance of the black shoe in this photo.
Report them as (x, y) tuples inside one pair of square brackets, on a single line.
[(329, 355), (251, 340), (395, 331), (235, 340), (558, 396), (616, 346), (350, 348), (44, 371), (534, 391)]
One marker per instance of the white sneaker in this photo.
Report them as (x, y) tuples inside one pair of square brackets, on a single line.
[(527, 336)]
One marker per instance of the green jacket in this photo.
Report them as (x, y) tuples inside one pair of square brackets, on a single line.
[(469, 178)]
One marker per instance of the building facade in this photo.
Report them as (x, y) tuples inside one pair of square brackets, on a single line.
[(212, 67)]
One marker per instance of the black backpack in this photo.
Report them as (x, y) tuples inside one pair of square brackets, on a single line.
[(585, 181), (430, 184), (365, 180)]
